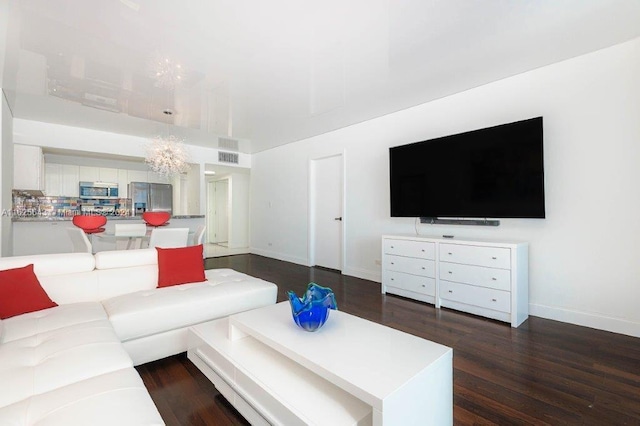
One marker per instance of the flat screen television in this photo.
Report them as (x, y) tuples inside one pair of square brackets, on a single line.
[(497, 172)]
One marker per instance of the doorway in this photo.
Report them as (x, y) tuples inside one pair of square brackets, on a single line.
[(218, 211), (326, 212)]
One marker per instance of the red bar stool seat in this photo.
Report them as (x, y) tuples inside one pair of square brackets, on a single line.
[(90, 224), (156, 218)]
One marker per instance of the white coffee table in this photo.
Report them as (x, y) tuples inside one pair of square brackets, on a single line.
[(351, 371)]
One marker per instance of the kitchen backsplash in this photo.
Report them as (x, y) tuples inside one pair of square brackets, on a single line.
[(27, 205)]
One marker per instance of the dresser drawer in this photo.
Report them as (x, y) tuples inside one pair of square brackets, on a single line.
[(421, 249), (414, 283), (499, 279), (482, 297), (424, 267), (491, 257)]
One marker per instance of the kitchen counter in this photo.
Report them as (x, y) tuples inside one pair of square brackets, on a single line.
[(48, 234), (69, 218)]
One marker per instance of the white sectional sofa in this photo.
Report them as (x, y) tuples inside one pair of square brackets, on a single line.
[(73, 364)]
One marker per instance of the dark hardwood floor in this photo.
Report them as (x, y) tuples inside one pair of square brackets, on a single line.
[(544, 372)]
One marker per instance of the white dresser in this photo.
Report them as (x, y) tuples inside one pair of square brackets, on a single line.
[(487, 278)]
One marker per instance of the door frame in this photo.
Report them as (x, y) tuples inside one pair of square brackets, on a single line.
[(311, 248), (212, 201)]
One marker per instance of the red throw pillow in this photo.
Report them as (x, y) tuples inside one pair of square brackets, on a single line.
[(180, 265), (21, 292)]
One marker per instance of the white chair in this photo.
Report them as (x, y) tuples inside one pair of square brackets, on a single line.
[(129, 235), (198, 236), (79, 240), (169, 237)]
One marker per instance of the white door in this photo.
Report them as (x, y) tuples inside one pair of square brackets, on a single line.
[(327, 211), (221, 211)]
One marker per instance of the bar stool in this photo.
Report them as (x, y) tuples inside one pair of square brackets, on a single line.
[(90, 224), (156, 219)]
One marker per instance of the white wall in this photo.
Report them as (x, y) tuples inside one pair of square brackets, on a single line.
[(6, 136), (239, 220), (584, 258), (6, 176), (48, 135), (4, 21)]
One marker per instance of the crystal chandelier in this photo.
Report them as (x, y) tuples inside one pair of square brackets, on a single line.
[(166, 73), (167, 156)]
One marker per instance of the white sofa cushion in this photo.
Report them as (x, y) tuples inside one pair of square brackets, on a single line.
[(149, 312), (66, 277), (126, 271), (56, 358), (117, 398), (114, 282), (30, 324), (115, 259), (52, 264)]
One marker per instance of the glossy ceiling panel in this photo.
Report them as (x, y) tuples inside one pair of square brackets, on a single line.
[(269, 73)]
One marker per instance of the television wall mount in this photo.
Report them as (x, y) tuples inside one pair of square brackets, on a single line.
[(474, 222)]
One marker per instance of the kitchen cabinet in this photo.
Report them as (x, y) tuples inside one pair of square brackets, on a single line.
[(53, 179), (41, 237), (70, 180), (107, 174), (138, 176), (61, 180), (123, 181), (28, 167), (89, 174), (98, 174)]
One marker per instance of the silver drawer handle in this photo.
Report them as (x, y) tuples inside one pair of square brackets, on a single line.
[(449, 253), (423, 268), (392, 263), (392, 247), (494, 300), (423, 250), (392, 279), (493, 257), (450, 272), (423, 285), (494, 279), (450, 291)]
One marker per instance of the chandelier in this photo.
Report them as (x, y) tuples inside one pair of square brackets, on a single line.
[(166, 73), (167, 156)]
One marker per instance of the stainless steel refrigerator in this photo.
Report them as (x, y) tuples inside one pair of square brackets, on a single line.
[(151, 197)]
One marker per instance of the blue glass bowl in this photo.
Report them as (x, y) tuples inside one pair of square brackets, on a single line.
[(312, 310)]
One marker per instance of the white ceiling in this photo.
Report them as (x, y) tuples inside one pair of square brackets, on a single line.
[(272, 72)]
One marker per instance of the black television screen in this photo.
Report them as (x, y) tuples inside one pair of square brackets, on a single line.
[(497, 172)]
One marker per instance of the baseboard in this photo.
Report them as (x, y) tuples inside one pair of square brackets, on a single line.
[(600, 322), (279, 256), (363, 273)]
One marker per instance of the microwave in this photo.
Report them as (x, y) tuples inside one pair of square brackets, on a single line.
[(97, 190)]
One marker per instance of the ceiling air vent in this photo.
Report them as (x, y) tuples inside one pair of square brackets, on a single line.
[(227, 157), (227, 143), (100, 102), (101, 99)]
